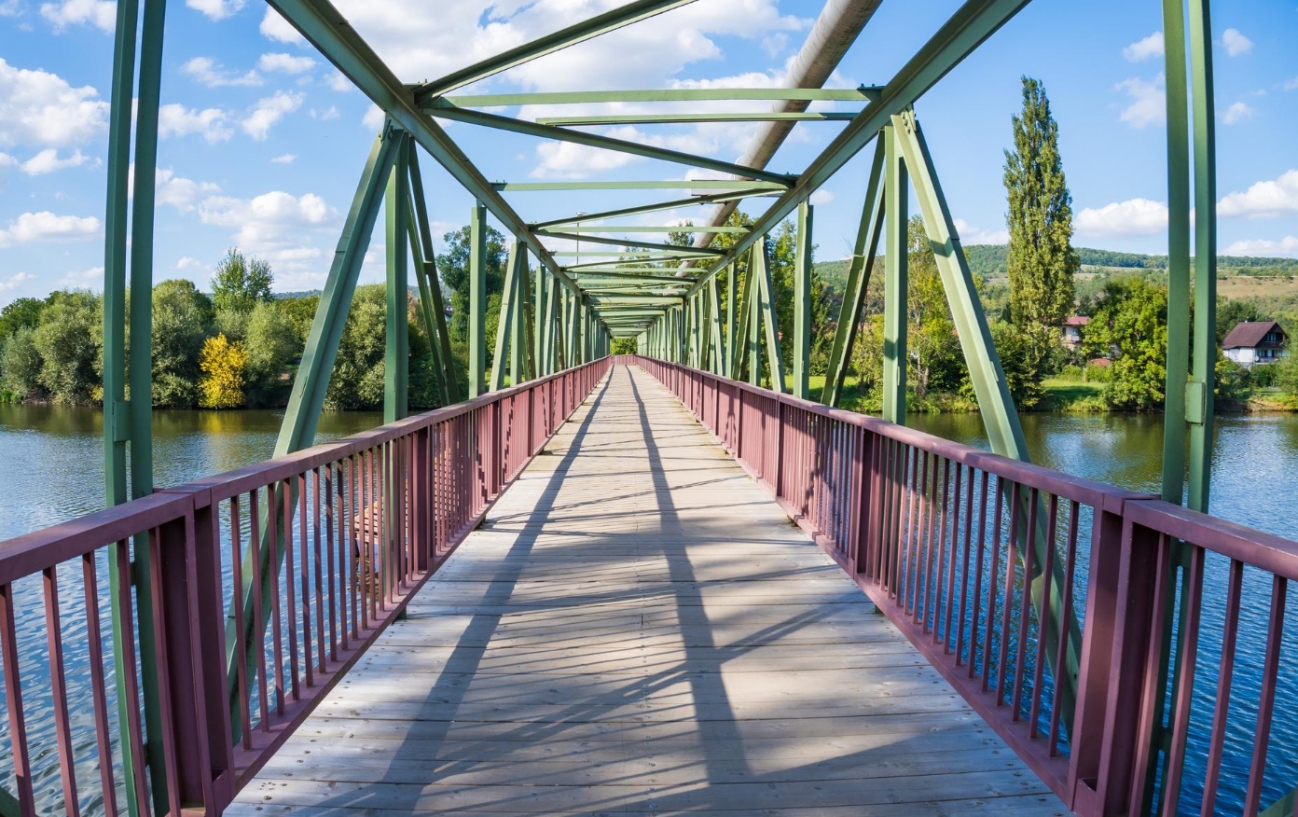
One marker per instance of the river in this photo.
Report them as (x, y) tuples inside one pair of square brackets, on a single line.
[(55, 473)]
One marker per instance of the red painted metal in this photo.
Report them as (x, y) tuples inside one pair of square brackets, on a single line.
[(357, 526), (948, 567)]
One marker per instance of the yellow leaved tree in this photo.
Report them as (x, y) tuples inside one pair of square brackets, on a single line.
[(222, 362)]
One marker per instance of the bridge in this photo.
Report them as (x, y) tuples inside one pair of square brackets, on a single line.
[(662, 582)]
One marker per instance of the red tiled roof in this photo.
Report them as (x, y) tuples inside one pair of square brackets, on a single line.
[(1077, 320), (1251, 334)]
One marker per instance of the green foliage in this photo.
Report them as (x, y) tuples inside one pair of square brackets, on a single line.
[(1130, 321), (69, 340), (182, 318), (1232, 311), (454, 268), (1041, 261), (1286, 374), (623, 346), (357, 381), (239, 283), (20, 364), (271, 343), (1231, 381), (22, 313), (222, 363), (300, 311)]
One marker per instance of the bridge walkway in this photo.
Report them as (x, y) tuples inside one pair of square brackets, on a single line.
[(638, 628)]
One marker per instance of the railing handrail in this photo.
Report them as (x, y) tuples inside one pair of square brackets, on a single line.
[(1256, 548)]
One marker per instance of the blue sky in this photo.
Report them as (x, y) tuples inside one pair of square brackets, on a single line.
[(262, 143)]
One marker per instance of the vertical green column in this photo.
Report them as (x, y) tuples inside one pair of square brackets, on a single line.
[(396, 358), (477, 299), (802, 304), (766, 301), (505, 323), (754, 319), (728, 355), (1205, 256), (538, 321), (516, 338), (896, 191)]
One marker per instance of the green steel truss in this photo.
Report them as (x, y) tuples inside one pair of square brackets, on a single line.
[(576, 281)]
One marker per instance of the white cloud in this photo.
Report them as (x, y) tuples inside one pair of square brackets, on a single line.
[(101, 14), (46, 226), (1264, 199), (821, 197), (216, 9), (277, 226), (373, 119), (565, 160), (1236, 44), (285, 63), (1123, 218), (14, 281), (1236, 113), (41, 109), (970, 234), (80, 279), (1148, 101), (10, 8), (341, 84), (286, 159), (1287, 246), (328, 113), (207, 71), (48, 161), (268, 112), (184, 194), (1291, 84), (274, 27), (1141, 50), (188, 262), (177, 120)]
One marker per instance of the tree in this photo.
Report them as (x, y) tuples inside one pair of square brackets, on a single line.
[(22, 313), (1042, 261), (20, 364), (182, 318), (272, 343), (239, 283), (222, 362), (1231, 311), (69, 341), (1130, 323), (454, 267), (1286, 373), (357, 381)]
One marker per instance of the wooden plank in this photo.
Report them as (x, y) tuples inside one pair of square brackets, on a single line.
[(635, 629)]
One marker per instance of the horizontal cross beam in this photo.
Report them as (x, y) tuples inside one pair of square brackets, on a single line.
[(618, 242), (864, 93), (689, 118), (735, 186)]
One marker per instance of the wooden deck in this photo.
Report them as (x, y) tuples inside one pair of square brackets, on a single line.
[(639, 629)]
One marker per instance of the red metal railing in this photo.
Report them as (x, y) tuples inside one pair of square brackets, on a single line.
[(242, 647), (1044, 599)]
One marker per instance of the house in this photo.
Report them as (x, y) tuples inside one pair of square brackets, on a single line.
[(1073, 330), (1255, 342)]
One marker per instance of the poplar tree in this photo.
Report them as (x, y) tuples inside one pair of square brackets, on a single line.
[(1042, 261)]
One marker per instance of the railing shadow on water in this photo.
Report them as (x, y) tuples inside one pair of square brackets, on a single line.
[(976, 557), (251, 594)]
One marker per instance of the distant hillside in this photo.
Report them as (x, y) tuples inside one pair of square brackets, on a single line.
[(989, 261)]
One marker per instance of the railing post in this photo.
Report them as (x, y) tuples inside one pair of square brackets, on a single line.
[(778, 482), (193, 612), (421, 494)]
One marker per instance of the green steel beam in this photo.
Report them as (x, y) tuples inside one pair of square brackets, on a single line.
[(689, 118), (802, 304), (895, 283), (755, 327), (540, 297), (597, 298), (477, 299), (858, 282), (736, 186), (718, 354), (663, 228), (582, 277), (396, 357), (330, 32), (644, 208), (861, 94), (609, 257), (972, 23), (739, 333), (429, 269), (563, 38), (729, 345), (505, 323), (1205, 253), (616, 242), (766, 299), (595, 140)]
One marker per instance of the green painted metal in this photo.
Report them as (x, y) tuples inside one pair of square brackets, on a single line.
[(687, 118), (430, 279), (895, 280), (595, 140), (600, 298), (754, 325), (858, 282), (517, 335), (964, 31), (1205, 251), (718, 353), (425, 303), (728, 358), (585, 276), (739, 335), (766, 301), (616, 242), (736, 186), (667, 228), (802, 304), (537, 316), (396, 356), (1178, 253), (563, 38), (643, 208), (505, 325), (861, 94), (477, 299)]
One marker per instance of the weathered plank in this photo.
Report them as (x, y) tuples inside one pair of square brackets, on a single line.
[(638, 629)]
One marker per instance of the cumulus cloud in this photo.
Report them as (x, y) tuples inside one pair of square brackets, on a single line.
[(1236, 113), (285, 63), (821, 197), (1124, 218), (102, 14), (275, 27), (46, 226), (269, 111), (1141, 50), (286, 159), (1148, 104), (14, 281), (48, 161), (207, 71), (183, 194), (177, 120), (1287, 246), (1236, 44), (565, 160), (1266, 199), (41, 109), (278, 227), (188, 263), (970, 234), (216, 9)]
